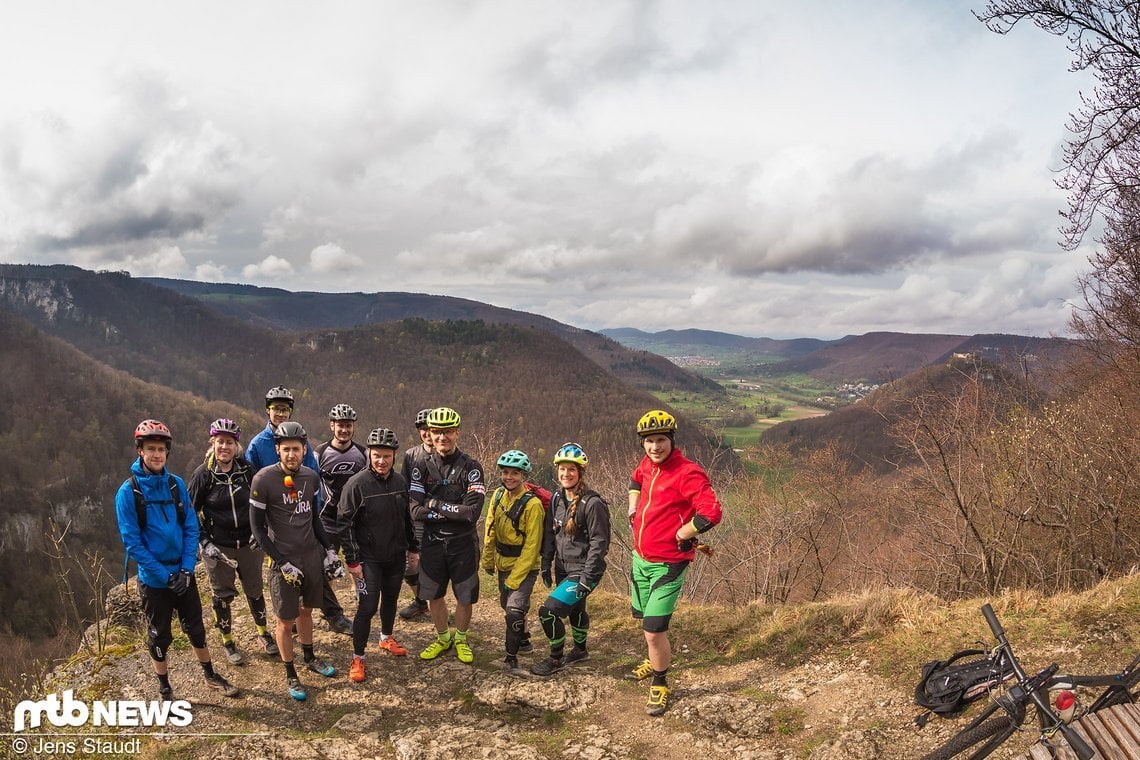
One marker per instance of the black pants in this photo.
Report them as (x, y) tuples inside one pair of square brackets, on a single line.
[(380, 589)]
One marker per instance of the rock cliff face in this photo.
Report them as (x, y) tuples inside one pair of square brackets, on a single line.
[(50, 298)]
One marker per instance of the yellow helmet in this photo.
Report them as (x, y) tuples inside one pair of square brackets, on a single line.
[(656, 422), (443, 418)]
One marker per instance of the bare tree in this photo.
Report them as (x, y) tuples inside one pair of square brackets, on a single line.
[(1102, 156)]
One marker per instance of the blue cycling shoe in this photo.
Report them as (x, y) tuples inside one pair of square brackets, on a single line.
[(321, 667)]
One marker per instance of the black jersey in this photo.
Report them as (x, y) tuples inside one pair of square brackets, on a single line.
[(222, 501), (446, 495), (336, 467)]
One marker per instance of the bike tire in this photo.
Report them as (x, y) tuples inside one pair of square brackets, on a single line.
[(969, 737)]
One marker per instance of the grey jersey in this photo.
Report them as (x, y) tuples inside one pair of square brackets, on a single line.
[(288, 511)]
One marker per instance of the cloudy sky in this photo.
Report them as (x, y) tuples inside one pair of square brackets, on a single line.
[(765, 168)]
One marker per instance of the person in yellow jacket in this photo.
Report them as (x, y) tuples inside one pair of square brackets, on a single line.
[(512, 549)]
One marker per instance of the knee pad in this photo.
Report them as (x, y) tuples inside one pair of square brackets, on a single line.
[(257, 610), (157, 645), (222, 617), (516, 619)]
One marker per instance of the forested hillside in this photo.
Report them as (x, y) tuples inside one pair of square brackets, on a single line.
[(66, 431), (308, 311)]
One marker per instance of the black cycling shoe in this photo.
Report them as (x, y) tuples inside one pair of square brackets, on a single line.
[(576, 654), (414, 609), (339, 624), (548, 667), (217, 681)]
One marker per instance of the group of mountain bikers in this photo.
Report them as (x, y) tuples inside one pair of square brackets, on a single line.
[(297, 508)]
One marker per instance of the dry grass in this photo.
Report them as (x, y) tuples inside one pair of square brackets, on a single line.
[(899, 629)]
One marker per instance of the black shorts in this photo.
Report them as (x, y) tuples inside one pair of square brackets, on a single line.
[(288, 600), (160, 604), (454, 560)]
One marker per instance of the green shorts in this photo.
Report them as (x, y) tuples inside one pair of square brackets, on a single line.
[(654, 589)]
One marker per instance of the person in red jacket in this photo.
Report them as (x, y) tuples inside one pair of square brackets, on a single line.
[(670, 502)]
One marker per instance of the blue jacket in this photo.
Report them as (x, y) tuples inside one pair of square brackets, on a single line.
[(262, 452), (166, 547)]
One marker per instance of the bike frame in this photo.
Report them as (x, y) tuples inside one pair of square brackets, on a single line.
[(1008, 709)]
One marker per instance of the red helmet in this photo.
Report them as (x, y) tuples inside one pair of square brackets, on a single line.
[(152, 429)]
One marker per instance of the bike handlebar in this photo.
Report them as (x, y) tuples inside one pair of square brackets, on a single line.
[(1076, 742)]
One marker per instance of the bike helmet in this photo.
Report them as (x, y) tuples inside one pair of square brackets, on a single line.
[(656, 422), (290, 430), (225, 426), (382, 438), (516, 459), (148, 429), (342, 412), (421, 418), (443, 418), (571, 453), (278, 393)]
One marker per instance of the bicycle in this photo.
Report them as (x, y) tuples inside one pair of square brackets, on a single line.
[(1008, 710)]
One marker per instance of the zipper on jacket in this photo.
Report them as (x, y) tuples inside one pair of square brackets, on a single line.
[(648, 503)]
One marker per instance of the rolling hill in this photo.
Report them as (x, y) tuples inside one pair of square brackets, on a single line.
[(272, 307)]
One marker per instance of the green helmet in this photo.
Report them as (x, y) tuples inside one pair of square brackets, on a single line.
[(516, 459), (443, 418), (571, 453)]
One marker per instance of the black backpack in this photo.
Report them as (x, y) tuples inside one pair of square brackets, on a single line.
[(140, 510), (947, 686)]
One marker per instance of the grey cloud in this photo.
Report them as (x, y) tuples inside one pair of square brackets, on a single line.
[(131, 226), (561, 69), (876, 215)]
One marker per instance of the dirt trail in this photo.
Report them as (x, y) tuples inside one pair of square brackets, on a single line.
[(410, 709)]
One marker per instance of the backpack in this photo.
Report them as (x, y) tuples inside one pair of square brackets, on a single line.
[(947, 686), (140, 510), (515, 512), (542, 494)]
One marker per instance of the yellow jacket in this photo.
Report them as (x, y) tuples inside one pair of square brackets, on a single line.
[(504, 548)]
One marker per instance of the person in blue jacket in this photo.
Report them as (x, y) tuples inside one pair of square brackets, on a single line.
[(262, 452), (159, 529)]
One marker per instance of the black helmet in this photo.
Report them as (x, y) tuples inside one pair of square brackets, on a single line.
[(278, 393), (342, 412), (421, 418), (290, 430), (382, 438)]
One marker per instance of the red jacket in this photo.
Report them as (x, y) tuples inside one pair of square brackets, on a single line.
[(670, 495)]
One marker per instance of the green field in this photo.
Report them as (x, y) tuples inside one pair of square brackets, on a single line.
[(754, 403)]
